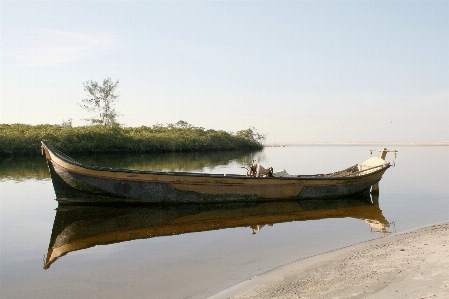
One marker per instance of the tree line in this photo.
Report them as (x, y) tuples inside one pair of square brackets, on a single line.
[(22, 139)]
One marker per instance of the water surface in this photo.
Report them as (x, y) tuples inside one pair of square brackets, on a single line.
[(191, 254)]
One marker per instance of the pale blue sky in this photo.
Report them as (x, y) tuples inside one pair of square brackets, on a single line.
[(298, 71)]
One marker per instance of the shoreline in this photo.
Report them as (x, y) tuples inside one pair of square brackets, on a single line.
[(410, 264), (280, 144)]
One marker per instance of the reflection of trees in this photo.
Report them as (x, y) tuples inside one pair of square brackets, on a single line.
[(259, 157), (20, 168), (23, 168)]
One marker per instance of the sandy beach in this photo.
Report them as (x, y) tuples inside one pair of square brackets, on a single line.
[(412, 264)]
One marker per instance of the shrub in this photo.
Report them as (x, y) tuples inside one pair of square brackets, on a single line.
[(22, 139)]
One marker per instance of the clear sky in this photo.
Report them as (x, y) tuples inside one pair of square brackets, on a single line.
[(298, 71)]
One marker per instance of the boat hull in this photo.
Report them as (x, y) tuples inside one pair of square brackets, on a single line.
[(71, 178)]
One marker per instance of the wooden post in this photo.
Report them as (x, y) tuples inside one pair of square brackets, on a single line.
[(384, 153), (375, 188)]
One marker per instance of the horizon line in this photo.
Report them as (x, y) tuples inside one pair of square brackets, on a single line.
[(418, 143)]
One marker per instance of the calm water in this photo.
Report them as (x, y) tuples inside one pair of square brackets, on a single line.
[(169, 260)]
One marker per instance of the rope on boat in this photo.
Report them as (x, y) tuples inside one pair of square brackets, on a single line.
[(366, 171)]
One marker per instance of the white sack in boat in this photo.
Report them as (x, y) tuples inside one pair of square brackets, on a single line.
[(370, 163), (281, 173)]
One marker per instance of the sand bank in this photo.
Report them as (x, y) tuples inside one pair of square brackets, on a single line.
[(380, 144), (413, 264)]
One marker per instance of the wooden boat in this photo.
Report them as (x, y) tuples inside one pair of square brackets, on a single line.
[(78, 227), (125, 185)]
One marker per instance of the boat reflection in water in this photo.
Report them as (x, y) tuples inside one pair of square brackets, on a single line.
[(79, 227)]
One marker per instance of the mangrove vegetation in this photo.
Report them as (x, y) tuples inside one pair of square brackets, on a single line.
[(22, 139)]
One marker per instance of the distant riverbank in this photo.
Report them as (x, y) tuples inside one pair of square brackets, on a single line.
[(385, 144), (22, 139)]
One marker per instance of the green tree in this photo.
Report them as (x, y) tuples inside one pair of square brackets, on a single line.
[(101, 101), (252, 135)]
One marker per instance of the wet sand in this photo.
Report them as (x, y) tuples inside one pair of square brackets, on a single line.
[(412, 264)]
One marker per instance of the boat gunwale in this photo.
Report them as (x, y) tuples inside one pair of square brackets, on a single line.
[(353, 176)]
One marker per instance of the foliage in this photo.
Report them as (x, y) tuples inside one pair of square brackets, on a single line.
[(101, 101), (252, 134), (22, 139)]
